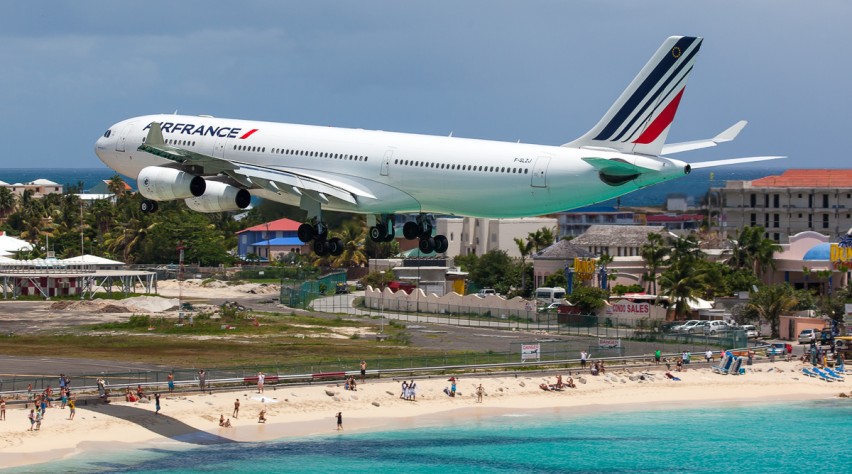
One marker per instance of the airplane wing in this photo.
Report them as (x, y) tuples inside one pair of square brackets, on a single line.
[(728, 135), (292, 181)]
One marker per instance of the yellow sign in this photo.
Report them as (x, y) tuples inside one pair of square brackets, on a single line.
[(584, 268), (840, 254)]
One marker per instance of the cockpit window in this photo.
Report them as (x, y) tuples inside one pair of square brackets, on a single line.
[(107, 133)]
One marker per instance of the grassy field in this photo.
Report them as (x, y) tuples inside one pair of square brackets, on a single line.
[(231, 339)]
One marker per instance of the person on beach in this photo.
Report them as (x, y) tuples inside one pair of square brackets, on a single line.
[(453, 387), (32, 419), (39, 417), (236, 408), (708, 355), (171, 380), (404, 394), (571, 382), (339, 417), (202, 379), (72, 405), (657, 355), (260, 378), (261, 418), (221, 420), (363, 370), (63, 397), (583, 357), (412, 391), (2, 409), (30, 393), (479, 392), (157, 403)]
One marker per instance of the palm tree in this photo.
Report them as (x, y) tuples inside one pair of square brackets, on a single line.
[(752, 250), (525, 248), (770, 302), (684, 279), (654, 253), (352, 234), (8, 201)]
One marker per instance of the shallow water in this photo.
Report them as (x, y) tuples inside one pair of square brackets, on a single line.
[(777, 437)]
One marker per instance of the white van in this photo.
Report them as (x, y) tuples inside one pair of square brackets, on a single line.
[(547, 295)]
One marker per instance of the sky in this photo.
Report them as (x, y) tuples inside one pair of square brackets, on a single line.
[(535, 71)]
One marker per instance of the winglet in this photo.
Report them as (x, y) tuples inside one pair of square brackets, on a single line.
[(726, 136), (155, 135)]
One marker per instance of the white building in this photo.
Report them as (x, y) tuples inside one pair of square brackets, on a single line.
[(469, 235)]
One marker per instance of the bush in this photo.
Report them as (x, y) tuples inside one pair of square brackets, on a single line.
[(139, 321)]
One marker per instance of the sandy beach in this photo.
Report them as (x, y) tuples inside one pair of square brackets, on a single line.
[(192, 418)]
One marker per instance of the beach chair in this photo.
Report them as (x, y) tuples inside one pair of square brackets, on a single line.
[(723, 365), (735, 366), (727, 367), (808, 372), (830, 373), (822, 375)]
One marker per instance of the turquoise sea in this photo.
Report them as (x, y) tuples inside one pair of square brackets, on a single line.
[(811, 436)]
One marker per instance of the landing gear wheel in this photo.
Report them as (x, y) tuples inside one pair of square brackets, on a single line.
[(410, 230), (427, 245), (335, 246), (389, 236), (305, 232), (377, 233), (320, 231), (441, 244), (148, 206), (321, 248)]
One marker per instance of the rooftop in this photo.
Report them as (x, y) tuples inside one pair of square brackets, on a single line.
[(621, 235), (817, 178), (564, 250), (275, 226)]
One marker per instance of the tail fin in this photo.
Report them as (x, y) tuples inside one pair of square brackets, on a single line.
[(639, 121)]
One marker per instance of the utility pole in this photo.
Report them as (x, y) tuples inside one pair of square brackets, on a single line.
[(180, 248)]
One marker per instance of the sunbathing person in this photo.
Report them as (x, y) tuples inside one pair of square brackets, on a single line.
[(221, 420), (261, 418), (559, 382), (672, 377), (571, 383)]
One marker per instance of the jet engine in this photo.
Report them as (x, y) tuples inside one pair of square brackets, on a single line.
[(220, 197), (166, 184)]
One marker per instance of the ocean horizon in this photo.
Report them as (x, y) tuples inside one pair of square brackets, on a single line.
[(694, 186), (768, 437)]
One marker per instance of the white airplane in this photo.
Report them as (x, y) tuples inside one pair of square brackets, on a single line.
[(217, 164)]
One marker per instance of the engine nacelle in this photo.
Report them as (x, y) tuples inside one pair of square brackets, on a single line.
[(220, 197), (166, 184)]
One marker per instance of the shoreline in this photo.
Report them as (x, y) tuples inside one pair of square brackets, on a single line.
[(187, 421)]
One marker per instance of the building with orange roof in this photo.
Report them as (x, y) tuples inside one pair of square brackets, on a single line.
[(798, 200), (271, 240)]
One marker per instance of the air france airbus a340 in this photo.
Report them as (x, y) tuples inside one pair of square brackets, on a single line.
[(217, 164)]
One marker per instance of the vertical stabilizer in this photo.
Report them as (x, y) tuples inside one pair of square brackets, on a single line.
[(639, 121)]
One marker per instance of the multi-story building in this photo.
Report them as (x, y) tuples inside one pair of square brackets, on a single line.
[(796, 201), (576, 222), (39, 187)]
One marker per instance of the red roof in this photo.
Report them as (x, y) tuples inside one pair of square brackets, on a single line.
[(275, 226), (673, 218), (807, 179)]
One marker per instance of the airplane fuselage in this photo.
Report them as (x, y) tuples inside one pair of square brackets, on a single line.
[(397, 172)]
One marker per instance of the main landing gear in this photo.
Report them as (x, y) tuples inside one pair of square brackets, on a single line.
[(318, 233), (148, 206), (419, 229)]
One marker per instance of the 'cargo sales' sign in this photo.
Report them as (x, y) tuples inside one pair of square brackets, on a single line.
[(625, 308)]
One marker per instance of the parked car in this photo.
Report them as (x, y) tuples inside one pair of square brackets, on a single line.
[(687, 326), (669, 326), (809, 336), (359, 285), (776, 348), (551, 308), (486, 291), (341, 289), (751, 331), (699, 327), (713, 327)]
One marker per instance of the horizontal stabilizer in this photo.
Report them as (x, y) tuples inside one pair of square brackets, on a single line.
[(726, 136), (733, 161), (615, 167)]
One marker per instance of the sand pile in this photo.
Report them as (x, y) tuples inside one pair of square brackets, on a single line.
[(138, 304)]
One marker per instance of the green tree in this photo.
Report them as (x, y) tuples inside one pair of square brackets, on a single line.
[(525, 247), (770, 302), (752, 250), (684, 279), (494, 270), (588, 298), (654, 253), (8, 201)]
